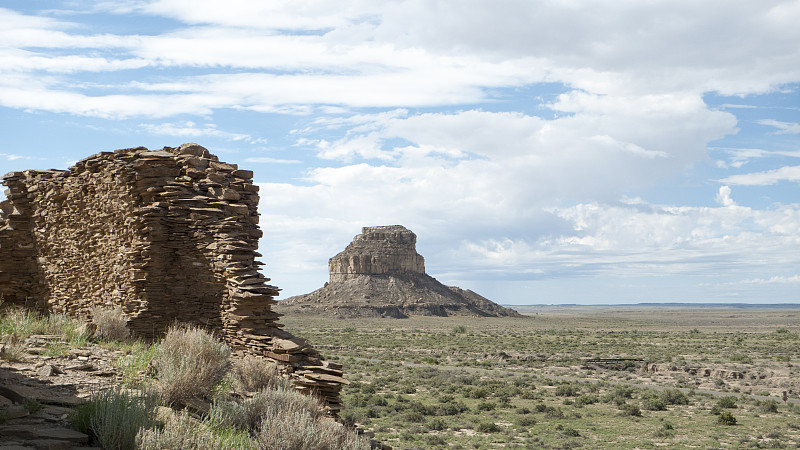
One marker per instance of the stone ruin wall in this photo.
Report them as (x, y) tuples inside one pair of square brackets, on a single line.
[(377, 251), (167, 235)]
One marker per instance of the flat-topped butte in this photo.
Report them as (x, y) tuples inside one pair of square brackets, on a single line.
[(380, 274)]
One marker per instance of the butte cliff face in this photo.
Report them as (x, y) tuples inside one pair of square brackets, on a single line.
[(380, 274)]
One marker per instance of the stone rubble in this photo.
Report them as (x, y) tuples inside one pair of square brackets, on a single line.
[(35, 404), (168, 235)]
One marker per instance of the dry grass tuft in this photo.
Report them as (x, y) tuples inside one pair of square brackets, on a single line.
[(112, 324), (12, 349)]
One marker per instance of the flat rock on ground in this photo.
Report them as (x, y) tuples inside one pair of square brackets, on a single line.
[(38, 392)]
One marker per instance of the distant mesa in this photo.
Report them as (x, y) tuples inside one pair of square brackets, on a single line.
[(380, 274)]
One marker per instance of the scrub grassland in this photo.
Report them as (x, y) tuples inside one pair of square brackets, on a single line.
[(572, 377)]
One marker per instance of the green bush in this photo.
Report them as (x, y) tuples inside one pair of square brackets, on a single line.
[(767, 406), (619, 395), (586, 399), (18, 323), (437, 424), (629, 409), (727, 402), (567, 390), (654, 403), (726, 418), (451, 409), (553, 412), (487, 427), (486, 406), (189, 363), (478, 392), (570, 432), (674, 397), (526, 421)]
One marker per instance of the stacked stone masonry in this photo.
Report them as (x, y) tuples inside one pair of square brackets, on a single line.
[(168, 235)]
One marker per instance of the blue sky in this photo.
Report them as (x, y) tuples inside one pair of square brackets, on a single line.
[(543, 152)]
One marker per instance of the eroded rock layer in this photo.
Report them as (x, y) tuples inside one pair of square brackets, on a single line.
[(168, 235), (380, 274)]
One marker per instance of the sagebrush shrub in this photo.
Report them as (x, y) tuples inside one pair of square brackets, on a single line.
[(286, 419), (254, 374), (189, 363), (248, 414), (183, 432)]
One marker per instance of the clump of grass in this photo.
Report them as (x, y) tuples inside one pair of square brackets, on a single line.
[(135, 364), (13, 348), (189, 363), (112, 324), (17, 323), (32, 405), (114, 417), (23, 322), (254, 374)]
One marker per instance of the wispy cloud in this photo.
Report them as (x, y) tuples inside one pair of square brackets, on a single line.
[(193, 130), (766, 178), (268, 160), (13, 157), (772, 280), (783, 127)]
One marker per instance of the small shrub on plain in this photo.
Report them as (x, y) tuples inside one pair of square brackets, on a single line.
[(726, 418)]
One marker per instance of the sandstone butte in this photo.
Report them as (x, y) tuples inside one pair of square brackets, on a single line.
[(167, 235), (380, 274)]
